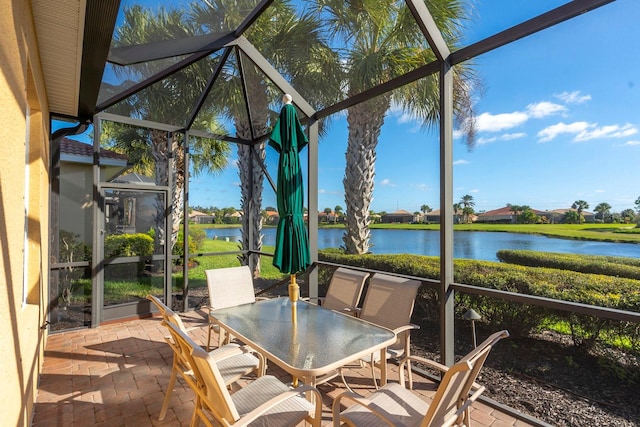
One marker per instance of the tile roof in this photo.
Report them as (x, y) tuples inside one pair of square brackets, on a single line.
[(77, 148)]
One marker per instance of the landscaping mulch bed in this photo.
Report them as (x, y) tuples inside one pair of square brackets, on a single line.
[(547, 377)]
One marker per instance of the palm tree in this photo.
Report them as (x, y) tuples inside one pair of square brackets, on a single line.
[(148, 150), (603, 210), (383, 42), (278, 22), (467, 206), (456, 212), (425, 209), (579, 206)]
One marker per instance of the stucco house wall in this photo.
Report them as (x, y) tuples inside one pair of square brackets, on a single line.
[(24, 206)]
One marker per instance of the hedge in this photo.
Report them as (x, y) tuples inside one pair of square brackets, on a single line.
[(594, 264), (593, 289)]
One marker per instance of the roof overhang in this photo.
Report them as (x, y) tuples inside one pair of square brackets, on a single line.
[(74, 37)]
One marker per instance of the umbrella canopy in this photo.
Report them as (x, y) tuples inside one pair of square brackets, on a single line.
[(291, 253)]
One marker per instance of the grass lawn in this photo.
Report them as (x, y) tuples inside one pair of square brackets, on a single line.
[(197, 276), (619, 233)]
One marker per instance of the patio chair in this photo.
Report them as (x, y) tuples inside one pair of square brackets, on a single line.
[(389, 302), (344, 291), (228, 287), (264, 401), (234, 361), (395, 405)]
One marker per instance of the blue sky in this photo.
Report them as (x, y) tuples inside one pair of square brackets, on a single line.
[(558, 120)]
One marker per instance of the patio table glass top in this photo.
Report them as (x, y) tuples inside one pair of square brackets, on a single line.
[(320, 340)]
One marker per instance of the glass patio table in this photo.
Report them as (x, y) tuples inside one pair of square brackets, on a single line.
[(319, 342)]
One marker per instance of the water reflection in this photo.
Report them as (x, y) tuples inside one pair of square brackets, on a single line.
[(479, 245)]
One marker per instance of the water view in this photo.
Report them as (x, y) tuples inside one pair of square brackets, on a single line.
[(480, 245)]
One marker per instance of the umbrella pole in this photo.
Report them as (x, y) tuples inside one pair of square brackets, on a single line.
[(294, 289), (294, 294)]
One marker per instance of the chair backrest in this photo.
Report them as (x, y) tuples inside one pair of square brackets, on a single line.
[(168, 315), (453, 391), (158, 303), (230, 286), (344, 289), (209, 386), (389, 302)]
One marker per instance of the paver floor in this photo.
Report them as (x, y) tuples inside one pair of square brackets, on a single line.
[(117, 374)]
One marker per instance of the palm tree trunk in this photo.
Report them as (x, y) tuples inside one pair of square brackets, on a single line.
[(163, 167), (251, 186), (364, 121)]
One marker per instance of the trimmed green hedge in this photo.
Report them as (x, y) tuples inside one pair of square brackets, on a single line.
[(594, 264), (594, 289), (125, 245)]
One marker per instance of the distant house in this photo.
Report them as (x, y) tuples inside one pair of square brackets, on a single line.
[(433, 217), (400, 216), (504, 215), (198, 217), (272, 217), (557, 215)]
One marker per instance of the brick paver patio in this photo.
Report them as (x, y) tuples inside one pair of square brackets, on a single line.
[(116, 375)]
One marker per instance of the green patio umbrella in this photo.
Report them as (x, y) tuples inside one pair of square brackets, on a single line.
[(291, 253)]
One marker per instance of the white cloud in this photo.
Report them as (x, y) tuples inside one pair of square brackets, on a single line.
[(504, 137), (544, 109), (511, 136), (586, 131), (549, 133), (387, 182), (611, 131), (574, 97), (481, 140), (487, 122), (461, 162), (600, 191), (475, 190), (632, 143)]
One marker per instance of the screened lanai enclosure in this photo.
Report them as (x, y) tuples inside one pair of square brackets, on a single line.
[(178, 96)]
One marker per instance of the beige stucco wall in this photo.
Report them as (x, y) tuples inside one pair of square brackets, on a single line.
[(23, 274)]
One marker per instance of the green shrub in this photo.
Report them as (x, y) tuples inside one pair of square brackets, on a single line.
[(197, 237), (594, 264), (126, 245), (593, 289)]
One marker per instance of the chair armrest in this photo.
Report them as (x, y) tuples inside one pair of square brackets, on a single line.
[(403, 328), (355, 397), (352, 311), (253, 415), (435, 365), (431, 363)]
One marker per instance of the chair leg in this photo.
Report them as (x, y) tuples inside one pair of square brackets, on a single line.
[(409, 374), (209, 338), (167, 395)]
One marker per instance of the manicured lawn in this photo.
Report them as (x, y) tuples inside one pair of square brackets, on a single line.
[(622, 233), (197, 274)]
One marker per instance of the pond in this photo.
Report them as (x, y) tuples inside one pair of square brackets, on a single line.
[(480, 245)]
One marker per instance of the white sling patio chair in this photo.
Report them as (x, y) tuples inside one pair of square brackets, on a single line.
[(389, 302), (394, 405), (228, 287), (234, 361), (344, 291), (266, 401)]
